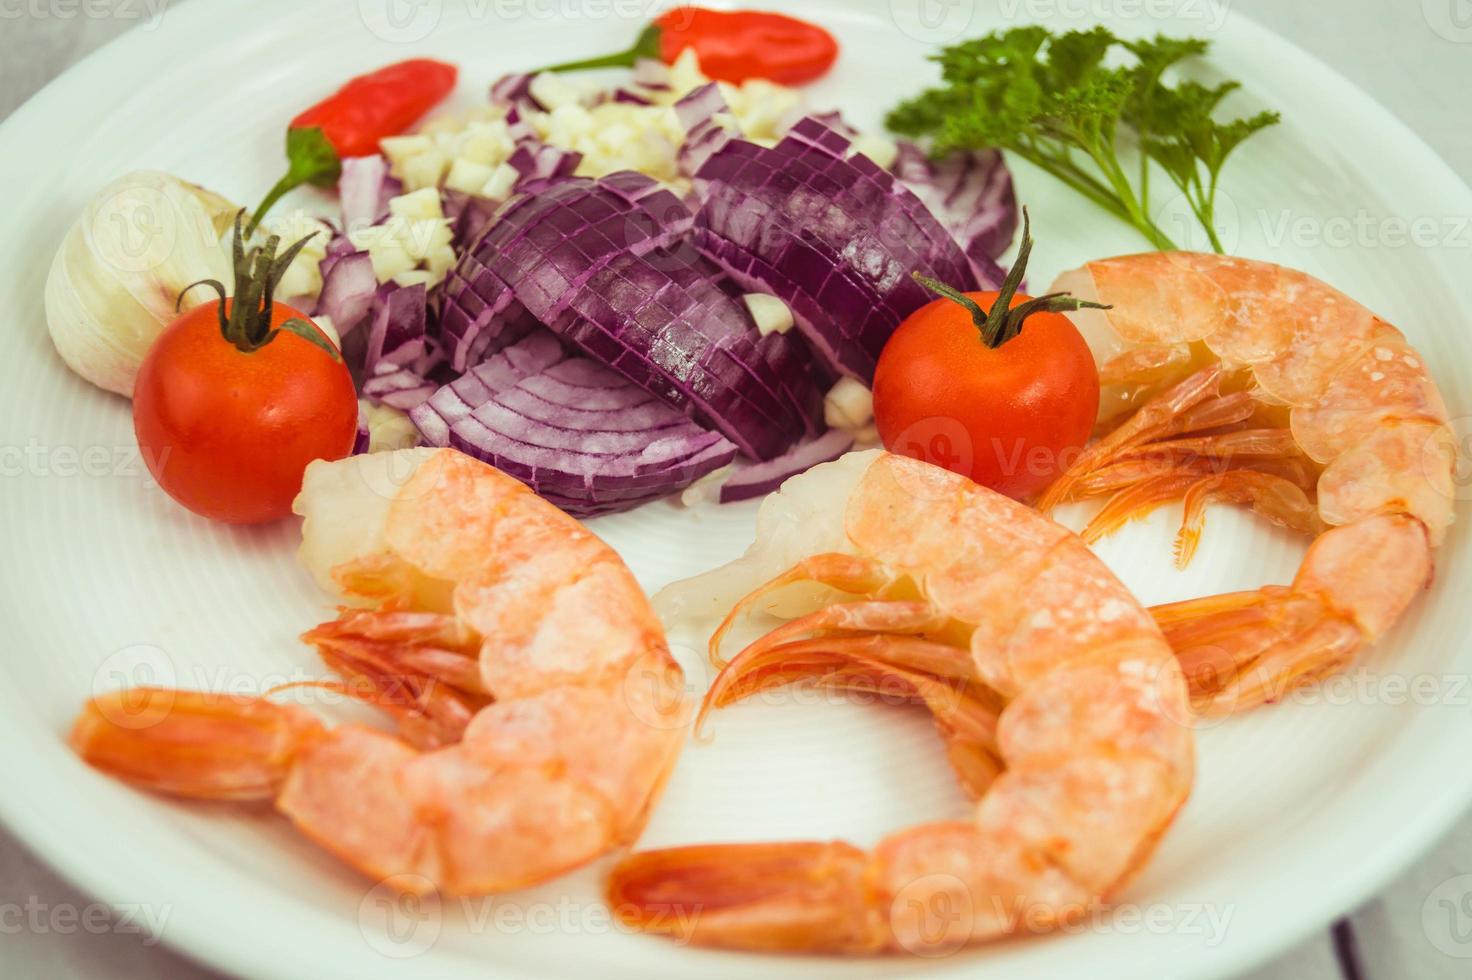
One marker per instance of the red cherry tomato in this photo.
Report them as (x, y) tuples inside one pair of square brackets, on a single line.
[(227, 432), (1007, 400)]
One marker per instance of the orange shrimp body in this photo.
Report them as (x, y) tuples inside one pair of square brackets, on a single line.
[(538, 709), (1234, 380), (1060, 704)]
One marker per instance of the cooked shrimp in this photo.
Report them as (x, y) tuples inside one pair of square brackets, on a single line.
[(1060, 702), (538, 708), (1347, 441)]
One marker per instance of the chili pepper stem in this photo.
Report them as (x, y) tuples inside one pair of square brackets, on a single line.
[(283, 186), (647, 46)]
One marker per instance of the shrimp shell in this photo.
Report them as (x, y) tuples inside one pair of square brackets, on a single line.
[(539, 711), (1061, 705), (1360, 408)]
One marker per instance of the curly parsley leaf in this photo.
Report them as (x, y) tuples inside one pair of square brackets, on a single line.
[(1067, 103)]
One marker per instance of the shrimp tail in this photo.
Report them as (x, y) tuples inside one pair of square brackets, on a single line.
[(193, 744), (1249, 648), (806, 896), (894, 669), (1156, 418), (846, 573), (422, 669)]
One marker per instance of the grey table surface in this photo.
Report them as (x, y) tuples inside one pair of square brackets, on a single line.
[(1414, 56)]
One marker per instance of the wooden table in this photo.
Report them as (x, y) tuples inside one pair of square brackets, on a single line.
[(1415, 56)]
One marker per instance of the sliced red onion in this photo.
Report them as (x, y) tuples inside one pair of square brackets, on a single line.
[(398, 327), (834, 120), (543, 162), (574, 431), (515, 92), (470, 215), (348, 288), (758, 479), (402, 387), (704, 133), (971, 194), (547, 241), (364, 189), (652, 74), (834, 237), (363, 437), (592, 260)]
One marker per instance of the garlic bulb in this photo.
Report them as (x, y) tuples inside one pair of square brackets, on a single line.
[(388, 428), (118, 274)]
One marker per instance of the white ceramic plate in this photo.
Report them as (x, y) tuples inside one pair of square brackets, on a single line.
[(1299, 811)]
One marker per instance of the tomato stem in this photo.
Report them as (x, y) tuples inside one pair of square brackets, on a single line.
[(1004, 321), (246, 321)]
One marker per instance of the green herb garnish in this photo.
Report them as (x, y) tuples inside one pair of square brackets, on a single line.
[(1062, 103)]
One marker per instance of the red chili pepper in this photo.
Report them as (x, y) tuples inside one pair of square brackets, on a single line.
[(351, 121), (732, 46)]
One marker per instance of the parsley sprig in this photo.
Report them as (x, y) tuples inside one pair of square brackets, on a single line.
[(1062, 103)]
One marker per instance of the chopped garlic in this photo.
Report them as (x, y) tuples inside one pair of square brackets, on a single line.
[(327, 326), (420, 205), (707, 488), (414, 244), (421, 239), (556, 91), (385, 251), (770, 314), (487, 143), (440, 261), (399, 149), (849, 405), (303, 278), (685, 74), (414, 277), (467, 152), (424, 169), (388, 428), (468, 176), (882, 151), (498, 186)]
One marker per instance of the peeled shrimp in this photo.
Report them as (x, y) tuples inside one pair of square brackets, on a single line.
[(1347, 441), (1060, 703), (538, 708)]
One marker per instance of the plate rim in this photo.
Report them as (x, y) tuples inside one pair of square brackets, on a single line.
[(206, 937)]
